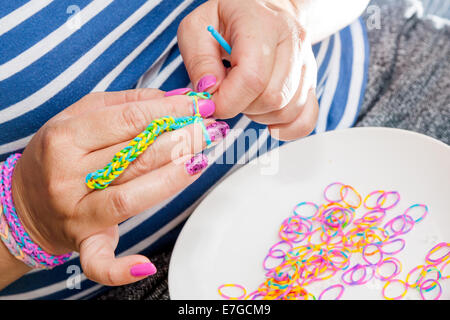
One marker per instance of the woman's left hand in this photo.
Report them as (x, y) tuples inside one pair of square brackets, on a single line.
[(273, 71)]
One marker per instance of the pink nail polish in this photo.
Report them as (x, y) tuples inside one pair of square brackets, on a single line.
[(177, 92), (206, 108), (206, 82), (196, 164), (143, 269), (218, 130)]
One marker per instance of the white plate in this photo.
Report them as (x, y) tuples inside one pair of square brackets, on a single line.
[(227, 237)]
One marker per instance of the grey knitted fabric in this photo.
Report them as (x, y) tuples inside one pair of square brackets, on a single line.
[(409, 75), (408, 87)]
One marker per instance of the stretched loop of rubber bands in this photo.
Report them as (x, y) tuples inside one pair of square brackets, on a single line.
[(102, 178)]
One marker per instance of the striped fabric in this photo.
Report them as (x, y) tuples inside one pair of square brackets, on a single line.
[(48, 62)]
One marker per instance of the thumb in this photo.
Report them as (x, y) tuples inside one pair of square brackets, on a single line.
[(201, 53), (100, 265)]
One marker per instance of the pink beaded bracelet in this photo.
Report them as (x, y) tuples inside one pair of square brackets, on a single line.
[(13, 234)]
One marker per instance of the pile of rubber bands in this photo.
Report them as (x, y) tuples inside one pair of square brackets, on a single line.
[(318, 242)]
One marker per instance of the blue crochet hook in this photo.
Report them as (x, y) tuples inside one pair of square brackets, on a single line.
[(220, 39)]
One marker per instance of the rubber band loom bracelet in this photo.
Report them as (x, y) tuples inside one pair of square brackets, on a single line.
[(102, 178), (12, 233)]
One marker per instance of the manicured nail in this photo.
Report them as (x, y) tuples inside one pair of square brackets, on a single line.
[(206, 108), (143, 269), (196, 164), (206, 82), (218, 130), (177, 92)]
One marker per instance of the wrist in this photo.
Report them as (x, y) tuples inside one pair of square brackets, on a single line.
[(23, 210), (11, 268), (15, 237)]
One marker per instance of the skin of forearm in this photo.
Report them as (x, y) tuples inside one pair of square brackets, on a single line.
[(11, 269), (323, 18)]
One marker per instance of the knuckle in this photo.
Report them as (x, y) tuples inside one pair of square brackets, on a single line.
[(88, 272), (309, 127), (200, 62), (173, 105), (274, 99), (297, 30), (132, 95), (53, 135), (111, 277), (92, 96), (187, 23), (308, 124), (171, 182), (134, 118), (254, 79), (120, 204), (55, 189), (144, 163), (138, 94), (178, 105), (286, 116)]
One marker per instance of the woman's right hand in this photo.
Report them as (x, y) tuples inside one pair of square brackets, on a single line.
[(62, 214)]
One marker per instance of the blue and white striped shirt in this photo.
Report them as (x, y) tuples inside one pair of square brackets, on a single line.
[(52, 53)]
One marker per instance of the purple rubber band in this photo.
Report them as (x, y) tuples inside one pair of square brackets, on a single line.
[(384, 196), (366, 259), (397, 270), (341, 292), (328, 187), (391, 242)]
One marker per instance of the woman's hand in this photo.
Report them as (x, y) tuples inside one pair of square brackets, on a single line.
[(62, 214), (273, 71)]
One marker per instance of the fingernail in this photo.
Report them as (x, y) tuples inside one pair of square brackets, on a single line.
[(143, 269), (206, 82), (177, 92), (206, 108), (218, 130), (196, 164)]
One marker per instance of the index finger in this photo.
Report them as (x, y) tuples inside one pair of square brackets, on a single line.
[(252, 61), (104, 127)]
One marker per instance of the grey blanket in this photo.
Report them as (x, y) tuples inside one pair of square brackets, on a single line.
[(408, 87)]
